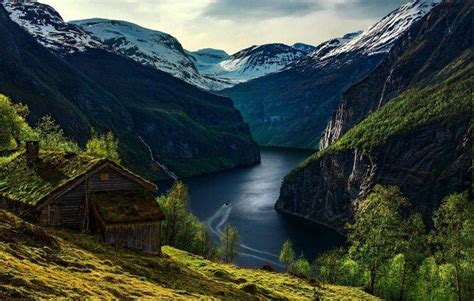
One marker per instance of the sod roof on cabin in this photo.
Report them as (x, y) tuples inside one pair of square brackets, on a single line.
[(53, 170), (30, 184), (127, 207)]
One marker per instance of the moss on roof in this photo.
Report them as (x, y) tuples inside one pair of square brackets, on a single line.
[(29, 185), (127, 206)]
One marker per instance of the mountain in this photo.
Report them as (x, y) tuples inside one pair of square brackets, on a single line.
[(304, 47), (408, 123), (291, 108), (49, 29), (187, 129), (323, 49), (253, 62), (147, 47), (207, 58)]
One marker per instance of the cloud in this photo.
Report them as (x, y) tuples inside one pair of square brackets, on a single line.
[(368, 8), (259, 9)]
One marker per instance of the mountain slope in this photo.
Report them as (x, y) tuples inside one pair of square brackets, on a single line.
[(292, 107), (406, 124), (35, 262), (207, 58), (148, 47), (253, 62), (188, 129)]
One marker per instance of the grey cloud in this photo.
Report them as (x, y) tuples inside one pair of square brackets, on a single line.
[(259, 9), (369, 8)]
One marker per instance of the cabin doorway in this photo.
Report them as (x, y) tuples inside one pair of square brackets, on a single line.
[(54, 214)]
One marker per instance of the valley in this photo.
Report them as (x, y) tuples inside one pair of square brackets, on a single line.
[(134, 167)]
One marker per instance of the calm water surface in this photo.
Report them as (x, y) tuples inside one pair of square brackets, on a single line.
[(250, 194)]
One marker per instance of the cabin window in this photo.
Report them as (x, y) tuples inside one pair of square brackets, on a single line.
[(104, 176)]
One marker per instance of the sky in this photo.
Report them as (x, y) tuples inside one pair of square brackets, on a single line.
[(233, 25)]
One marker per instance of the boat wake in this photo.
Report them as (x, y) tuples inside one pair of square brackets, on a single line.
[(219, 219)]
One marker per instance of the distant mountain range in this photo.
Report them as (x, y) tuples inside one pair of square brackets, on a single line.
[(207, 69), (291, 108), (58, 69)]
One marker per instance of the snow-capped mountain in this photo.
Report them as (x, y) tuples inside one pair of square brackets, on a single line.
[(304, 47), (255, 61), (291, 107), (380, 37), (205, 59), (324, 48), (148, 47), (46, 25)]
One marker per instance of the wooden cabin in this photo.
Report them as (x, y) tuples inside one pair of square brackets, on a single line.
[(85, 193)]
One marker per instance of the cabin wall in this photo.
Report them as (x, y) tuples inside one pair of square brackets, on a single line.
[(108, 179), (70, 206), (71, 209), (140, 236)]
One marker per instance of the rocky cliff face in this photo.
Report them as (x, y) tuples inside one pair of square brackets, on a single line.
[(442, 37), (427, 161)]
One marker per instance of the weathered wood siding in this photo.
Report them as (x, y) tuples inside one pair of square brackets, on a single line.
[(72, 202), (108, 179), (71, 205), (140, 236)]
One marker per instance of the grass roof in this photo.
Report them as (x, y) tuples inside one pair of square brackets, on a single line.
[(127, 206), (30, 184)]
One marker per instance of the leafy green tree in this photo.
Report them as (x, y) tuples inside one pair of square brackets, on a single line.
[(204, 245), (51, 136), (287, 254), (451, 237), (14, 129), (103, 146), (230, 243), (301, 267), (326, 266), (377, 234), (174, 206)]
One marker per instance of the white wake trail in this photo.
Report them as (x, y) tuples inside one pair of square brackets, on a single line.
[(224, 212)]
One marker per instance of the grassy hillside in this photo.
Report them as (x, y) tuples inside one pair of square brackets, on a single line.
[(48, 263), (446, 103)]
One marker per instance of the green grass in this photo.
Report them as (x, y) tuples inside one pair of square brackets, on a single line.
[(18, 181), (47, 263)]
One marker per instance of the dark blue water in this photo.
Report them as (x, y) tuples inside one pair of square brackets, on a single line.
[(252, 193)]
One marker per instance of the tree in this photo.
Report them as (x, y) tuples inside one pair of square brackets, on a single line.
[(14, 129), (301, 266), (230, 243), (51, 136), (378, 231), (174, 206), (287, 255), (451, 238), (103, 146)]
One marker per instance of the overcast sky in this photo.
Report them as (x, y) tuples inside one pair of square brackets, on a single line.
[(232, 25)]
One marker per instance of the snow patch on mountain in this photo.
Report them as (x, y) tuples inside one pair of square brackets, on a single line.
[(380, 37), (149, 47), (49, 29), (205, 59), (304, 47), (255, 61)]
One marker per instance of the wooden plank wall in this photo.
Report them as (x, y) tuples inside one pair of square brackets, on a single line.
[(141, 236), (72, 208), (115, 181)]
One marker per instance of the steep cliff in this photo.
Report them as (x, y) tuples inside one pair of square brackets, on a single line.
[(411, 118)]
